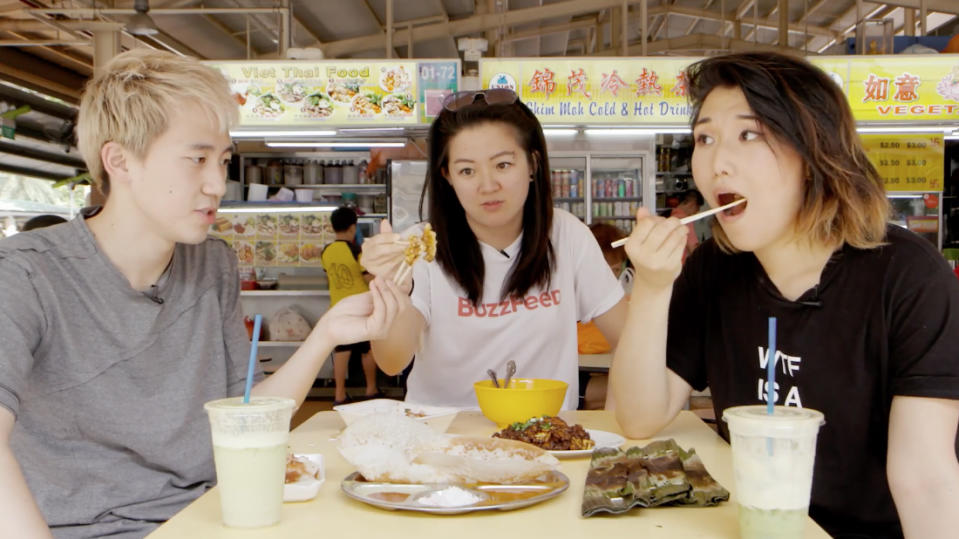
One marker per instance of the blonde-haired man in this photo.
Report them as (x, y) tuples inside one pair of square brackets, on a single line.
[(118, 326)]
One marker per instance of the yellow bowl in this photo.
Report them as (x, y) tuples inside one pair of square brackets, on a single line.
[(523, 399)]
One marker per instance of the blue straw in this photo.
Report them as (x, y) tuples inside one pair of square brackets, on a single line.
[(771, 367), (257, 322)]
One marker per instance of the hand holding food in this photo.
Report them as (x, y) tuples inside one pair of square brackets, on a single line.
[(655, 248), (363, 317), (383, 253)]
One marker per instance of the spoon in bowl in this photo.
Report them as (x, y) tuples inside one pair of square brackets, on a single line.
[(492, 374), (510, 371)]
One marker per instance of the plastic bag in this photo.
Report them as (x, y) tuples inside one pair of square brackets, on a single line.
[(288, 325)]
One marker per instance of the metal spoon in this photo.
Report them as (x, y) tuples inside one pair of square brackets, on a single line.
[(510, 371), (492, 375)]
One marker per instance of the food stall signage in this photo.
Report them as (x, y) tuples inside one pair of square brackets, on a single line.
[(334, 92), (908, 162), (892, 88), (595, 91)]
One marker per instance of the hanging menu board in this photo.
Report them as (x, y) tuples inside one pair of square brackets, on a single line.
[(317, 92), (275, 238), (333, 92), (908, 162)]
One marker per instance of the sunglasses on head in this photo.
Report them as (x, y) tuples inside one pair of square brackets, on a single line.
[(492, 96)]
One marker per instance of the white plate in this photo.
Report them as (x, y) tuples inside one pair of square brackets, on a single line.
[(602, 439), (306, 488)]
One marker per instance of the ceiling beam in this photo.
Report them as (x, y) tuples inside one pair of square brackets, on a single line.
[(692, 25), (552, 29), (471, 25), (41, 155), (810, 11), (695, 42), (714, 16), (41, 75), (30, 172)]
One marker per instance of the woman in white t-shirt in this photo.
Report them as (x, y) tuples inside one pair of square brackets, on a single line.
[(512, 275)]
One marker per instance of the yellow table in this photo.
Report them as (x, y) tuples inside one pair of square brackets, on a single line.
[(332, 514)]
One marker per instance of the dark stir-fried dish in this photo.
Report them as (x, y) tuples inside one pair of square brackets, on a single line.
[(549, 432)]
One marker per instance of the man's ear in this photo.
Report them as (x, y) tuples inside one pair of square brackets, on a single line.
[(115, 161)]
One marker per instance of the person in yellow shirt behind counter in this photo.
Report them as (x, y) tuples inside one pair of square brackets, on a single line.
[(347, 277)]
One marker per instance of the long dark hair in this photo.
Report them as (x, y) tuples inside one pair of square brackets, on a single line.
[(457, 249), (844, 198)]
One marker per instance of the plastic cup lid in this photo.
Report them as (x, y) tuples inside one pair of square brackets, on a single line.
[(256, 405), (785, 420)]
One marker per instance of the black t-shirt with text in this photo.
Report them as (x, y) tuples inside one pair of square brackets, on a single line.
[(881, 322)]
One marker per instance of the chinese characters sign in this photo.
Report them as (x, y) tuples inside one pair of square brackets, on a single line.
[(892, 88), (593, 91), (907, 162)]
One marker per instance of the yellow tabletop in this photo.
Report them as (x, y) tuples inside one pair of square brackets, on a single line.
[(332, 514)]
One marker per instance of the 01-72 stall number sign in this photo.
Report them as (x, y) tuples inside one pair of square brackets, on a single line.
[(907, 162)]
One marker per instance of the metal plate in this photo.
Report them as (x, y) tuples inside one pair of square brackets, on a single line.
[(410, 497)]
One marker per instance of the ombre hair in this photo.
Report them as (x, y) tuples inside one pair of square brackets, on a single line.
[(131, 101), (844, 200)]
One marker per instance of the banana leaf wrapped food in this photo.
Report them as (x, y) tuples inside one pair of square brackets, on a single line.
[(661, 473)]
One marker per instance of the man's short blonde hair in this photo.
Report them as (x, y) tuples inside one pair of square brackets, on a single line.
[(130, 102)]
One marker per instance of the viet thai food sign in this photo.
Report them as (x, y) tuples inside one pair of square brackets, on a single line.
[(308, 93)]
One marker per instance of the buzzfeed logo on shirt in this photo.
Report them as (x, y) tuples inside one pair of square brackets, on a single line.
[(789, 367), (532, 302)]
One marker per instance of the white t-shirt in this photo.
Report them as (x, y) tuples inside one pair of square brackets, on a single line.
[(538, 332)]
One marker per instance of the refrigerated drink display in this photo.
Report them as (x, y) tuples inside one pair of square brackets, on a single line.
[(567, 177), (616, 190)]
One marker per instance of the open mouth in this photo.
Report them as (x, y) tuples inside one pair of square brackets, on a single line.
[(726, 198)]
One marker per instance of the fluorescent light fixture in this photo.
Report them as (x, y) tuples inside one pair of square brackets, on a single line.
[(284, 207), (257, 133), (320, 144), (903, 196), (905, 129), (369, 129), (551, 132), (635, 131)]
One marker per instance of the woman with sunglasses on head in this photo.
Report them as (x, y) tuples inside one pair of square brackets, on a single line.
[(512, 274), (868, 313)]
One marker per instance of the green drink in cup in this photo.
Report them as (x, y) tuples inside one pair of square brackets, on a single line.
[(773, 459), (249, 450)]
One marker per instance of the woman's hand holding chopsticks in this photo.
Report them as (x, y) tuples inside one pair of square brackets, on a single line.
[(655, 248)]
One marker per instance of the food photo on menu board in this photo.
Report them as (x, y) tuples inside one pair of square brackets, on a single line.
[(271, 239), (305, 92)]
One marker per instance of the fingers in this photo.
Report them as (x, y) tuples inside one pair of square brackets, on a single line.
[(385, 227)]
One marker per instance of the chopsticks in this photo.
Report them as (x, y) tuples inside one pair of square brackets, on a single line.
[(690, 219)]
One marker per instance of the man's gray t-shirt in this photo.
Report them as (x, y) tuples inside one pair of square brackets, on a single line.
[(107, 384)]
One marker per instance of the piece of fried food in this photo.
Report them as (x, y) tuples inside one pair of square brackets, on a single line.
[(429, 243)]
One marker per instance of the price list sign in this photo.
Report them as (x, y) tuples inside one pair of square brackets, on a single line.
[(908, 162)]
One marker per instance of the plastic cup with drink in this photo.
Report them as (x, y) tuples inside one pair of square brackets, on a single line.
[(773, 458), (249, 451)]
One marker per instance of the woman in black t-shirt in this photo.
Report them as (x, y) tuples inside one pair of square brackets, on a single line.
[(868, 314)]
